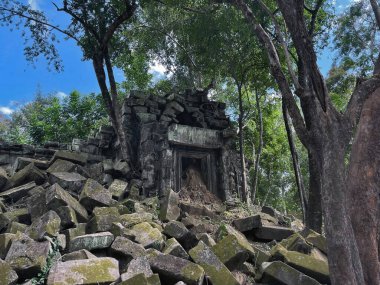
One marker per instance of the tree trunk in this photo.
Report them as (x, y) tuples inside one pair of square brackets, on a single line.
[(296, 167), (241, 147), (259, 150), (112, 105), (363, 184), (344, 260)]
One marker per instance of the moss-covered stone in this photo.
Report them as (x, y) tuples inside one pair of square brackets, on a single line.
[(61, 165), (214, 268), (129, 220), (90, 272), (57, 197), (139, 265), (309, 265), (317, 240), (173, 247), (68, 180), (49, 224), (26, 256), (148, 236), (138, 279), (102, 219), (126, 249), (118, 188), (154, 280), (70, 234), (278, 272), (68, 217), (232, 251), (269, 233), (15, 227), (169, 209), (7, 275), (173, 269), (17, 215), (91, 241), (94, 195), (75, 157), (5, 243), (297, 243), (77, 255)]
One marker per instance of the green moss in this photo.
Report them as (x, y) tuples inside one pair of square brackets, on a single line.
[(97, 272), (192, 272)]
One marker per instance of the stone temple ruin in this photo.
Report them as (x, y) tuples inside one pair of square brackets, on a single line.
[(169, 136), (172, 133)]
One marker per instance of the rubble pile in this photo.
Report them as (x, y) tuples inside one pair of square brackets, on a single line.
[(73, 221)]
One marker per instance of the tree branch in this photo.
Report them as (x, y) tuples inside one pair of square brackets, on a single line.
[(362, 91), (278, 74), (292, 11), (127, 14), (85, 25), (282, 42), (376, 11), (314, 14)]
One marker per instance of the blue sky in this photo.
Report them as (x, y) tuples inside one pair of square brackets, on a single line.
[(19, 80)]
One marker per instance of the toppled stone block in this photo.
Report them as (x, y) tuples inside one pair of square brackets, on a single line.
[(315, 268), (127, 249), (26, 256), (178, 231), (61, 165), (94, 195), (273, 233), (214, 268), (21, 162), (75, 157), (15, 227), (297, 243), (175, 229), (36, 204), (248, 223), (173, 269), (90, 271), (148, 236), (121, 168), (173, 247), (57, 197), (129, 220), (17, 215), (207, 239), (49, 224), (67, 216), (3, 178), (317, 240), (77, 255), (91, 241), (17, 193), (169, 206), (138, 279), (5, 243), (7, 275), (118, 188), (279, 273), (102, 220), (68, 180), (71, 233), (232, 251), (27, 174), (225, 230), (139, 265)]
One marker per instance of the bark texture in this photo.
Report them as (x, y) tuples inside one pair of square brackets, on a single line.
[(363, 184)]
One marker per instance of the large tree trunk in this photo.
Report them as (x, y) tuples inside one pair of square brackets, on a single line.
[(112, 106), (241, 147), (363, 184), (259, 150), (296, 166), (314, 206)]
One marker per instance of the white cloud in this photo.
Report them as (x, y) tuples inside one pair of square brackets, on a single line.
[(157, 67), (6, 110), (61, 95), (34, 4)]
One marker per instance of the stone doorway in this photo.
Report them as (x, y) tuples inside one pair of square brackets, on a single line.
[(202, 163)]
